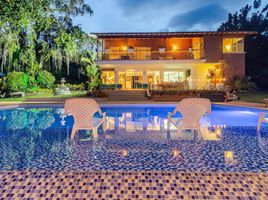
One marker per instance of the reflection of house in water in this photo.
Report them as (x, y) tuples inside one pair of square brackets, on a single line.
[(148, 120), (137, 120)]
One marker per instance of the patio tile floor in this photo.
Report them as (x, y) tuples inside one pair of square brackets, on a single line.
[(132, 185)]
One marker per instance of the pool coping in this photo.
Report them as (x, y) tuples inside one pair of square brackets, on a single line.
[(13, 105)]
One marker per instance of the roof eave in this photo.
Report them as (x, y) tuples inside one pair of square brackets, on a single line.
[(170, 34)]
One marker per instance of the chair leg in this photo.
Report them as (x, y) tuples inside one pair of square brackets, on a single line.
[(199, 133), (73, 132), (261, 118), (95, 133), (259, 125), (168, 122), (104, 125), (180, 130)]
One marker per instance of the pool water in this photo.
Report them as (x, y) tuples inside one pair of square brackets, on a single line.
[(136, 139)]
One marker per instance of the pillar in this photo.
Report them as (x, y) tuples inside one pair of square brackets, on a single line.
[(161, 76), (116, 77), (144, 77)]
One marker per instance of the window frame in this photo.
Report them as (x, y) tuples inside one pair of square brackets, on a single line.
[(232, 43)]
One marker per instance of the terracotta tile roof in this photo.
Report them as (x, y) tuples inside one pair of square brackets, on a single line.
[(169, 34)]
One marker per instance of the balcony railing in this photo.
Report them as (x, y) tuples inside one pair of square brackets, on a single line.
[(193, 54)]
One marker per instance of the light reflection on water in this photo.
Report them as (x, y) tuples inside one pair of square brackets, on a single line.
[(136, 139)]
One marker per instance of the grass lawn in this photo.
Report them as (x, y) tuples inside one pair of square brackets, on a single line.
[(255, 97), (43, 95)]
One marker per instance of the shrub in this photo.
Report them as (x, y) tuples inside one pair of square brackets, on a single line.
[(36, 90), (76, 87), (238, 84), (17, 81), (45, 79)]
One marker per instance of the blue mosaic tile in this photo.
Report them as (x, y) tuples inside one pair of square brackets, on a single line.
[(37, 139)]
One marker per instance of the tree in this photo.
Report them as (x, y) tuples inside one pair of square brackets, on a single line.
[(253, 18), (92, 71), (39, 34)]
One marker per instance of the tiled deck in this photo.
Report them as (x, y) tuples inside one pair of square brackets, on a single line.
[(132, 185)]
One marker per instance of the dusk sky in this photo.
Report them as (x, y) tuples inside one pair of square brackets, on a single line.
[(158, 15)]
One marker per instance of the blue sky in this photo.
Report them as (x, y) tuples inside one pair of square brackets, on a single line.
[(158, 15)]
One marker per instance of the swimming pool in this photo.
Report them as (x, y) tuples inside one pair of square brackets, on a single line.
[(136, 139)]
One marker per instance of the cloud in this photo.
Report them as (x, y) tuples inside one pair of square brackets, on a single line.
[(134, 6), (206, 17)]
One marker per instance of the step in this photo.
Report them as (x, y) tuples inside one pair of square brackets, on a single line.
[(44, 99), (127, 95)]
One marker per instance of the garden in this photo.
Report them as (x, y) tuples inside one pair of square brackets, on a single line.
[(40, 46)]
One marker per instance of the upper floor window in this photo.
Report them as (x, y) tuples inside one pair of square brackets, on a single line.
[(233, 45)]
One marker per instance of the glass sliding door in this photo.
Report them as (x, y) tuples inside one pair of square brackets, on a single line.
[(122, 79), (107, 77), (129, 79)]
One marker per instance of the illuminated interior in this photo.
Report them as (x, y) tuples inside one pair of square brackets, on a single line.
[(153, 77), (107, 77), (174, 76), (233, 45), (130, 79)]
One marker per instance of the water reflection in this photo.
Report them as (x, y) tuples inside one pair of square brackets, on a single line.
[(136, 139), (29, 135), (263, 142), (134, 122)]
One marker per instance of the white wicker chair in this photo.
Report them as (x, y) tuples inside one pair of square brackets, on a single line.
[(263, 118), (192, 110), (83, 110)]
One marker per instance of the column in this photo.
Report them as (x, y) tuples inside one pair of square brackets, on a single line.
[(193, 78), (116, 77), (144, 77), (161, 76)]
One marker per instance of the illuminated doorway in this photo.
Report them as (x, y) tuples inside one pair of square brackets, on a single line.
[(130, 79)]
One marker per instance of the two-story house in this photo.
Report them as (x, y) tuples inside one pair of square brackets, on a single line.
[(158, 57)]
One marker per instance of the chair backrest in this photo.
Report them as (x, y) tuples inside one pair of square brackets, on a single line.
[(206, 103), (192, 110), (82, 108)]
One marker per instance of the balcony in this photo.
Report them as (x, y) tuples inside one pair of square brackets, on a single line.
[(147, 54)]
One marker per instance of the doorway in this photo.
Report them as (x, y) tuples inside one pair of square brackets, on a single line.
[(130, 80)]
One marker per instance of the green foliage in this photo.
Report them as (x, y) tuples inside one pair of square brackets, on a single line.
[(92, 71), (37, 89), (38, 34), (17, 81), (45, 79), (3, 84), (238, 84), (24, 147), (253, 18)]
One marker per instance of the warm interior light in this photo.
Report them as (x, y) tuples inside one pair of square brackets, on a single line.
[(124, 48), (228, 47), (174, 47)]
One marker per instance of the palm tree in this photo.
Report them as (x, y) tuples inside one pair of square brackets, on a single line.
[(65, 50), (92, 71)]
